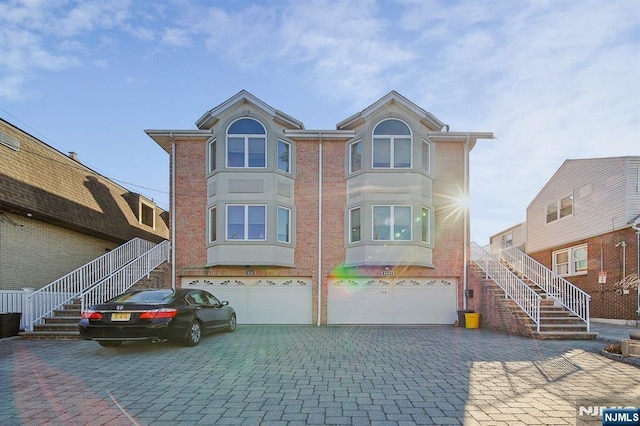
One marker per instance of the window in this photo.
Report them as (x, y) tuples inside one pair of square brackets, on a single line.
[(246, 222), (566, 206), (147, 214), (571, 261), (284, 156), (355, 157), (354, 225), (426, 225), (246, 144), (426, 156), (392, 223), (559, 209), (284, 225), (9, 141), (392, 145), (212, 156), (212, 225)]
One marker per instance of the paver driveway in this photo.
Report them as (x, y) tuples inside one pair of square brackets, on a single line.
[(311, 375)]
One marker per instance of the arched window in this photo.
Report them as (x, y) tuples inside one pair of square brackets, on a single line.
[(246, 144), (392, 145)]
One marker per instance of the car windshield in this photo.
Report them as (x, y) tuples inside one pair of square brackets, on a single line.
[(155, 296)]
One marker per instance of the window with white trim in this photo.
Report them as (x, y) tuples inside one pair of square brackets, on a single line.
[(392, 145), (211, 165), (355, 156), (426, 225), (559, 209), (570, 261), (246, 222), (213, 236), (284, 156), (284, 225), (246, 144), (355, 225), (391, 223)]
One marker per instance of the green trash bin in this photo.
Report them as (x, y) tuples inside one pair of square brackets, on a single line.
[(9, 324)]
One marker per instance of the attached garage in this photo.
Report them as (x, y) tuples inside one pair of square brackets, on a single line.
[(392, 301), (261, 300)]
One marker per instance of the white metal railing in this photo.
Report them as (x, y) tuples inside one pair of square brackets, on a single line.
[(514, 288), (565, 293), (12, 301), (125, 277), (42, 302)]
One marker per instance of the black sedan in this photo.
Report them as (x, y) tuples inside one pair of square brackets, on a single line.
[(157, 315)]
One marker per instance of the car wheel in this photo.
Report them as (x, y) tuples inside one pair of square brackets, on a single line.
[(109, 343), (231, 327), (193, 334)]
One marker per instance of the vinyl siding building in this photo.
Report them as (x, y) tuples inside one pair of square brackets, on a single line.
[(584, 225)]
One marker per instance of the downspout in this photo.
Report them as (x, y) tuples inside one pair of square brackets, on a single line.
[(173, 211), (465, 253), (319, 279), (636, 228)]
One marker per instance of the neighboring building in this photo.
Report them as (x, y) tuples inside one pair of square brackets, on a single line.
[(516, 236), (584, 225), (354, 225), (57, 214)]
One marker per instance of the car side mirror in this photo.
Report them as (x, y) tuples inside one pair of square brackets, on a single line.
[(225, 303)]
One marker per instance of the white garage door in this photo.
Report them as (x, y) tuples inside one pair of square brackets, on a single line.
[(392, 301), (259, 300)]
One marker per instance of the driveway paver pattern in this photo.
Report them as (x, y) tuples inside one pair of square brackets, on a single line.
[(287, 375)]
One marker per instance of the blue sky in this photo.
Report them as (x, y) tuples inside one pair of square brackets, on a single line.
[(553, 80)]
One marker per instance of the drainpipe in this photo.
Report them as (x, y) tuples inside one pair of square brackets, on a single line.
[(636, 228), (465, 253), (319, 279), (173, 211)]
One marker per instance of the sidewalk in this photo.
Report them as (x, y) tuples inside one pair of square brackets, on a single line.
[(611, 332)]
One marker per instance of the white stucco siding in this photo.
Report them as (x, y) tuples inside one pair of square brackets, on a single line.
[(599, 192)]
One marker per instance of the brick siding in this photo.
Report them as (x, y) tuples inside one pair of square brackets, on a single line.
[(604, 255)]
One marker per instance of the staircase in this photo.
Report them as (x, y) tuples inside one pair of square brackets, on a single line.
[(62, 322), (543, 316)]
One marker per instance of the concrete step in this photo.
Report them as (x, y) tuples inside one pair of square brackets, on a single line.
[(56, 327), (51, 335), (63, 320), (565, 335)]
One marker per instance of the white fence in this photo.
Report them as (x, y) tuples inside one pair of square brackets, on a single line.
[(12, 301)]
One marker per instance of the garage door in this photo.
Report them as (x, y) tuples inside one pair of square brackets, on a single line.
[(392, 301), (259, 300)]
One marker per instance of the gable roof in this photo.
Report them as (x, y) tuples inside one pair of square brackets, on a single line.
[(211, 117), (41, 182), (425, 117)]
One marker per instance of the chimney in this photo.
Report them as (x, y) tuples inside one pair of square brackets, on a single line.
[(73, 155)]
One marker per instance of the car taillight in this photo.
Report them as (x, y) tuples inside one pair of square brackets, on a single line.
[(159, 313), (91, 315)]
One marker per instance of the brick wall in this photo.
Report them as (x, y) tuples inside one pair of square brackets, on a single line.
[(603, 255), (34, 253)]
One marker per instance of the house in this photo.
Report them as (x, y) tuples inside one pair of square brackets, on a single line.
[(515, 236), (56, 214), (584, 225), (362, 224)]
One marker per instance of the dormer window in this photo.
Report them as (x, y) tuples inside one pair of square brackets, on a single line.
[(147, 214), (392, 145), (246, 144)]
